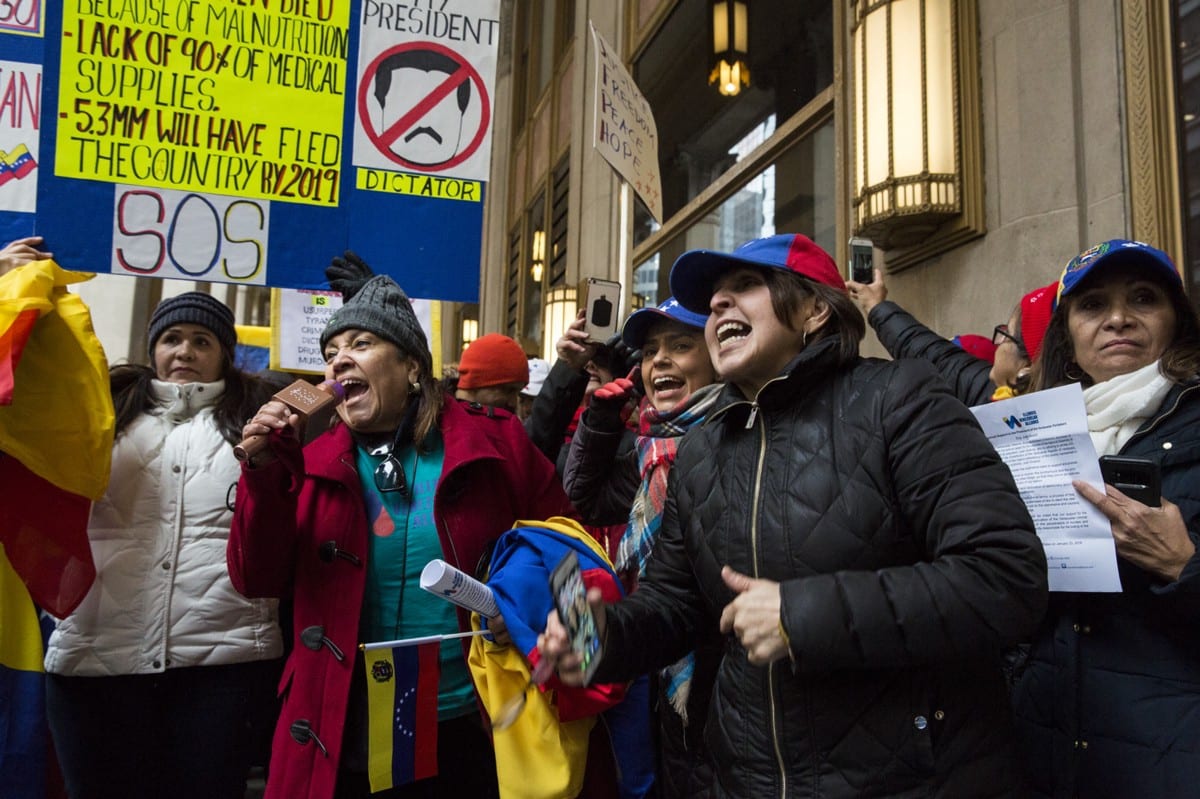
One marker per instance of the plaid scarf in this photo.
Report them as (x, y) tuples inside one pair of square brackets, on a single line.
[(657, 444)]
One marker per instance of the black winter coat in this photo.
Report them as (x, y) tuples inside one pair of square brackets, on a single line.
[(903, 336), (554, 408), (906, 559), (1109, 702)]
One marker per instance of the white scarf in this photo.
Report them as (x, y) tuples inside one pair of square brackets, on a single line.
[(1116, 408)]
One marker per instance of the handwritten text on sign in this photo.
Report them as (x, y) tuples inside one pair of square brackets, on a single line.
[(20, 121), (205, 95), (190, 236), (625, 131)]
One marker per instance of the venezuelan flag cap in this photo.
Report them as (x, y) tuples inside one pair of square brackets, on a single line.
[(1116, 251)]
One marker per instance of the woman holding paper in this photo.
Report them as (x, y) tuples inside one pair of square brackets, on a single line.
[(844, 530), (1109, 701), (346, 525)]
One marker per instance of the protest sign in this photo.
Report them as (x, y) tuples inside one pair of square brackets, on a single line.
[(625, 133)]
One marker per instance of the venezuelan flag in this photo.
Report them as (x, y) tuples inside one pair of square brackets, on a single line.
[(23, 734), (402, 695), (22, 161), (56, 432)]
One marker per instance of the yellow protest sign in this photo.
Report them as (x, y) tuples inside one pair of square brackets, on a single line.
[(204, 95)]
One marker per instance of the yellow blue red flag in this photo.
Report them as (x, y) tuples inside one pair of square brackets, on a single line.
[(56, 432), (402, 720), (23, 733)]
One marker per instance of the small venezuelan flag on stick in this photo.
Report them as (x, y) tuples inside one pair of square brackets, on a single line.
[(402, 713)]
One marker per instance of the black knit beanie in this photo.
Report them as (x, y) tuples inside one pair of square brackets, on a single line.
[(194, 308), (381, 307)]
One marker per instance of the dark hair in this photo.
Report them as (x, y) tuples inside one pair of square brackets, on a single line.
[(1180, 361), (424, 60), (788, 290), (431, 397), (244, 395)]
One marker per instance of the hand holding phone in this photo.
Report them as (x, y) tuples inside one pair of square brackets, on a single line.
[(862, 261), (570, 600), (1136, 478), (602, 302)]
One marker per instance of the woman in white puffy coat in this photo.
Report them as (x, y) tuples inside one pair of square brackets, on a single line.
[(161, 680)]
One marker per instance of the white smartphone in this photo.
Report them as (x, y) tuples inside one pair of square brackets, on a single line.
[(862, 261), (602, 299)]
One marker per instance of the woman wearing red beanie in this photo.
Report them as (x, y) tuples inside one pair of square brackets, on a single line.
[(493, 370)]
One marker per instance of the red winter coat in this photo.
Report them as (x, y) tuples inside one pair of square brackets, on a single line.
[(280, 544)]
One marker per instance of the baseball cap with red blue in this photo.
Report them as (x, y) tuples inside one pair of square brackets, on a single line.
[(1112, 252), (638, 324), (696, 271)]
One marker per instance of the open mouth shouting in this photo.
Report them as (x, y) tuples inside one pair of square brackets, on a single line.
[(668, 388), (730, 332)]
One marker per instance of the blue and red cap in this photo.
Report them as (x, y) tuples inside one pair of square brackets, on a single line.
[(696, 271), (639, 322), (1116, 251)]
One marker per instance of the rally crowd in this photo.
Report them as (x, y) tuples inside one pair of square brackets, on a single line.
[(811, 572)]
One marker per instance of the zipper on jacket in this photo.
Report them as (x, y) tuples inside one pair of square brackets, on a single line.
[(758, 473)]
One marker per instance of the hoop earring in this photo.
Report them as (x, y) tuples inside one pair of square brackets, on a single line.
[(1076, 375), (803, 339)]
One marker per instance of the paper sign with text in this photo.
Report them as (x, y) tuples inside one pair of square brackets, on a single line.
[(1043, 439), (298, 316), (625, 131), (212, 139)]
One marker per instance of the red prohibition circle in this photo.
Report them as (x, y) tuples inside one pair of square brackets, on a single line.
[(471, 74)]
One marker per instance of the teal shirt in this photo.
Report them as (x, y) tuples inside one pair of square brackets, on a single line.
[(403, 539)]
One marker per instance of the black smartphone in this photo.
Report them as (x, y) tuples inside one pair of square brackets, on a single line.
[(862, 260), (570, 599), (1136, 478)]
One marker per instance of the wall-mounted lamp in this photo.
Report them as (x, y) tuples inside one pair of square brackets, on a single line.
[(470, 330), (538, 252), (907, 149), (731, 46), (557, 313)]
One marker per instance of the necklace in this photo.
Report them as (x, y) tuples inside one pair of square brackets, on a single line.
[(410, 498)]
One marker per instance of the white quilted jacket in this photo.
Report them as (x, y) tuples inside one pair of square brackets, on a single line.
[(162, 597)]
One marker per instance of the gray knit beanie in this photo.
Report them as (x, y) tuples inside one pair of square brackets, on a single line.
[(195, 308), (381, 307)]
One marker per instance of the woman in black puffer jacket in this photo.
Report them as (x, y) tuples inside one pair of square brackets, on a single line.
[(846, 527)]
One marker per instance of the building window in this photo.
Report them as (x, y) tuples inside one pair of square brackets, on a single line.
[(700, 130), (740, 167), (1187, 66)]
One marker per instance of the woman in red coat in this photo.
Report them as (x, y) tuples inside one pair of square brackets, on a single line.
[(345, 525)]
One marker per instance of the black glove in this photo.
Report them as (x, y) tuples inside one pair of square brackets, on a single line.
[(347, 273), (606, 404), (622, 357)]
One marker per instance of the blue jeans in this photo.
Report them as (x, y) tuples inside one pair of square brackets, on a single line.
[(190, 732)]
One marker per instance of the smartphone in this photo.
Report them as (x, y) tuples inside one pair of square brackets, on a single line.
[(570, 599), (602, 299), (1136, 478), (862, 260)]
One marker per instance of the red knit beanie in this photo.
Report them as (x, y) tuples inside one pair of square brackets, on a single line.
[(1036, 308), (492, 360)]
